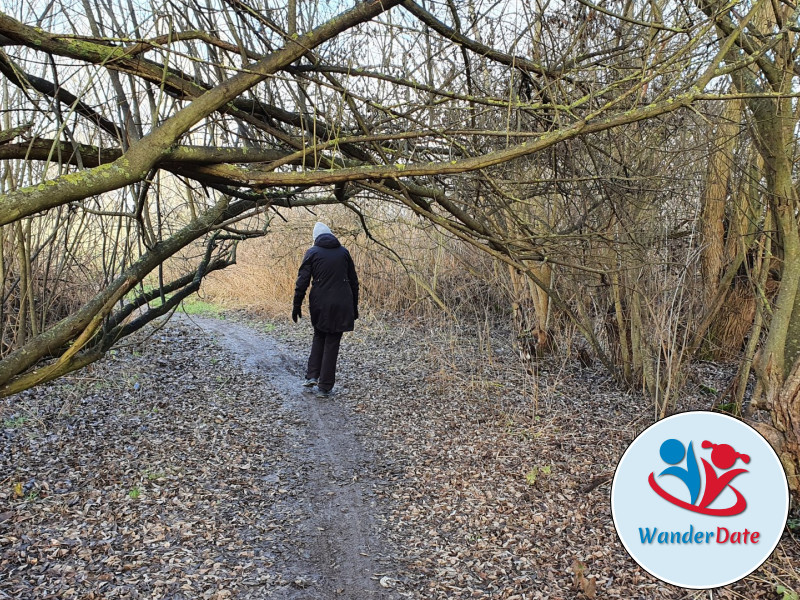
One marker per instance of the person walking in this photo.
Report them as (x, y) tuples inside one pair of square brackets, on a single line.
[(332, 304)]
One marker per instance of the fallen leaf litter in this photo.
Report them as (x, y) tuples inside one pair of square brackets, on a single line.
[(172, 470)]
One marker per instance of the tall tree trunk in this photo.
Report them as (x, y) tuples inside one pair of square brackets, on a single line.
[(22, 316), (777, 366), (715, 198)]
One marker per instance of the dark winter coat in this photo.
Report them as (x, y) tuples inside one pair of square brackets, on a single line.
[(333, 301)]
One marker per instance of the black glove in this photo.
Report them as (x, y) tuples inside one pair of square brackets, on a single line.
[(296, 314), (355, 314)]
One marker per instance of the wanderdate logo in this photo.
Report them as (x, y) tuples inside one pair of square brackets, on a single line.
[(723, 457), (699, 500)]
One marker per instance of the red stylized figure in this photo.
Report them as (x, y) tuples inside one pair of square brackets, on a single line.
[(724, 457)]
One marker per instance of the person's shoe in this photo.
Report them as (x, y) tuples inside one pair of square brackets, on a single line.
[(320, 393), (309, 383)]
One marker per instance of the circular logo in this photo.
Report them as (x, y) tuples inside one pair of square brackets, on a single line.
[(699, 500)]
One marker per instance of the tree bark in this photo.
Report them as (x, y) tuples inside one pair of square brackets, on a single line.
[(714, 200), (149, 151)]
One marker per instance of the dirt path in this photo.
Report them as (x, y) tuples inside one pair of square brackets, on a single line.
[(338, 552)]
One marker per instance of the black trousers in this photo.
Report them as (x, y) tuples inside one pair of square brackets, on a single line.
[(322, 361)]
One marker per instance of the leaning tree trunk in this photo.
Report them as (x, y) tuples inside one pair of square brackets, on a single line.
[(778, 367), (781, 357)]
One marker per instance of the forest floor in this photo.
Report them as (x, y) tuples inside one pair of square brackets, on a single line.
[(192, 464)]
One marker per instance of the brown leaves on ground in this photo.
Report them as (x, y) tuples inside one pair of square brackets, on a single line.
[(160, 473), (490, 482), (500, 477)]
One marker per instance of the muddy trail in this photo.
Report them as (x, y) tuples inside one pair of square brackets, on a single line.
[(189, 465), (339, 551)]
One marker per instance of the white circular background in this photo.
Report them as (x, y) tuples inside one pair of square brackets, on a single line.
[(635, 505)]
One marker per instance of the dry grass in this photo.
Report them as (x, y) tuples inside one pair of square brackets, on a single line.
[(404, 270)]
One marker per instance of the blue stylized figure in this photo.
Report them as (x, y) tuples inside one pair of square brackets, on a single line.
[(672, 452)]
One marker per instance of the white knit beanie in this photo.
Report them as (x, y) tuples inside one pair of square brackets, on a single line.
[(319, 229)]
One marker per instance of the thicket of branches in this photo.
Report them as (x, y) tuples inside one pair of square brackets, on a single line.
[(630, 163)]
